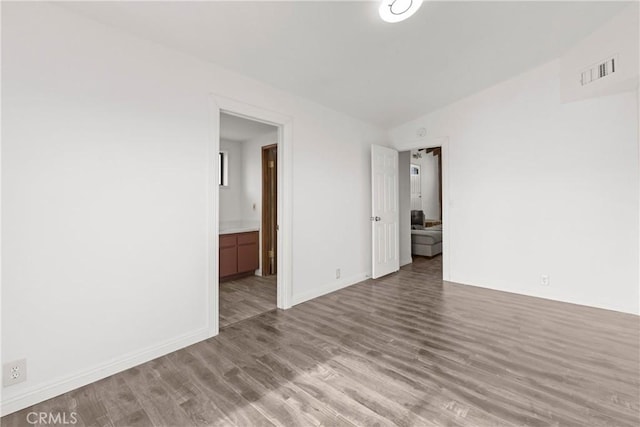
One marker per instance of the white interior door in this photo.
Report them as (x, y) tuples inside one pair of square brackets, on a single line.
[(385, 206), (416, 191)]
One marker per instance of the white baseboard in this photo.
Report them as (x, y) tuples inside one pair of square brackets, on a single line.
[(329, 287), (406, 261), (553, 297), (42, 392)]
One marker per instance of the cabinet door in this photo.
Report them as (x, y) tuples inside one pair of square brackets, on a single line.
[(248, 238), (248, 252), (228, 255)]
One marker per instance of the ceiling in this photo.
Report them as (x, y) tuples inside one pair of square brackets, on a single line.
[(341, 55), (238, 129)]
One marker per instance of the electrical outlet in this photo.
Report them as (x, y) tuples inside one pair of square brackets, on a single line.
[(14, 372), (544, 280), (337, 273)]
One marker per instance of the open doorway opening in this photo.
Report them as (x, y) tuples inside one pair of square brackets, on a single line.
[(421, 195), (247, 195)]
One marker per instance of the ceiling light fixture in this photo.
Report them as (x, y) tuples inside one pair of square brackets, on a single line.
[(398, 10)]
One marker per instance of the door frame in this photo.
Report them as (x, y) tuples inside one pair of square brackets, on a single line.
[(263, 216), (443, 142), (284, 123)]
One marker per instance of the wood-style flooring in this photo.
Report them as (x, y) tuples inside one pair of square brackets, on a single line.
[(244, 298), (404, 350)]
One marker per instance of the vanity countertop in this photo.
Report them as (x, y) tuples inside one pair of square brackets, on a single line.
[(238, 227)]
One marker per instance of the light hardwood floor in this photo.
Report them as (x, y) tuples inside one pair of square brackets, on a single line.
[(404, 350), (244, 298)]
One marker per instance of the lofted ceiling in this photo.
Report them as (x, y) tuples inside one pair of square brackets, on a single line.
[(341, 55)]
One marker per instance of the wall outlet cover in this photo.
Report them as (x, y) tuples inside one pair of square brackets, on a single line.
[(14, 372)]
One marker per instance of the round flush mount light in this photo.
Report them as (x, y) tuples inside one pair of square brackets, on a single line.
[(398, 10)]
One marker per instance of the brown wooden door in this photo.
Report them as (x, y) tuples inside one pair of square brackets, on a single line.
[(269, 209)]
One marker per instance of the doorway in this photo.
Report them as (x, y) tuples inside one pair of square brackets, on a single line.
[(422, 235), (284, 124), (247, 216)]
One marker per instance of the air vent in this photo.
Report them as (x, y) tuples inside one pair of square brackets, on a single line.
[(599, 70)]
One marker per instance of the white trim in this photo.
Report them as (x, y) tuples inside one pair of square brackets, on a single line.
[(443, 142), (59, 386), (533, 294), (407, 261), (638, 151), (213, 223), (285, 203), (329, 287), (285, 214)]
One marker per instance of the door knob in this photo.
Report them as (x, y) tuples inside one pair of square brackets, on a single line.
[(375, 218)]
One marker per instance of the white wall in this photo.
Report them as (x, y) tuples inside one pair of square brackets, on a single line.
[(540, 187), (241, 199), (404, 198), (232, 195), (429, 185), (104, 186)]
